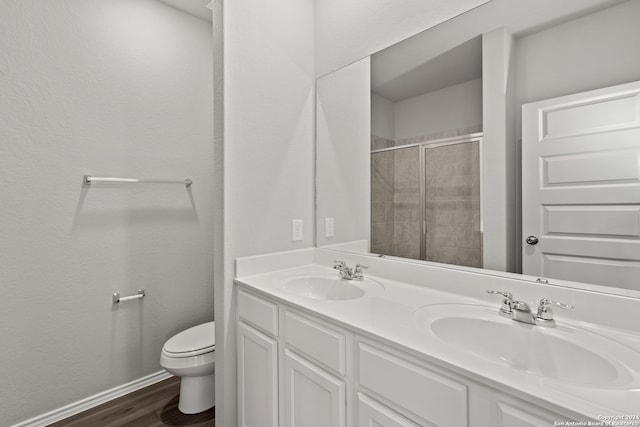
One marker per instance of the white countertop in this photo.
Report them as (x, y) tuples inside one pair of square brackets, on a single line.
[(388, 313)]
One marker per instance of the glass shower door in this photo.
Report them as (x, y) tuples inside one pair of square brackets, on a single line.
[(425, 201), (452, 231)]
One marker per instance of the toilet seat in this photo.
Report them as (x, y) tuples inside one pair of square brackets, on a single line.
[(194, 341)]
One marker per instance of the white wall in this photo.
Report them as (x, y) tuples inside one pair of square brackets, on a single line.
[(595, 51), (498, 151), (347, 31), (453, 107), (343, 132), (382, 116), (268, 119), (105, 87)]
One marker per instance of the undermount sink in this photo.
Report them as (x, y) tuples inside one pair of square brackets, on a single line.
[(325, 287), (566, 354)]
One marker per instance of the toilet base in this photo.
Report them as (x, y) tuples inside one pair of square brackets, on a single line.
[(197, 394)]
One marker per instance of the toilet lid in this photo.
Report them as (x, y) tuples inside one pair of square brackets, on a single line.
[(196, 340)]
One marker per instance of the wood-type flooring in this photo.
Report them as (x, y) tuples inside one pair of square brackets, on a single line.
[(152, 406)]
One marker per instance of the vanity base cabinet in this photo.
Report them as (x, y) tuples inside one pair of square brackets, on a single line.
[(312, 396), (257, 378), (396, 389), (300, 370)]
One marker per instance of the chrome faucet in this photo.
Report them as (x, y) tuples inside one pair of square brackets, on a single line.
[(521, 312), (347, 273)]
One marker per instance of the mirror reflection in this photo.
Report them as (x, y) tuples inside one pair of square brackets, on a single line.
[(447, 139), (426, 132)]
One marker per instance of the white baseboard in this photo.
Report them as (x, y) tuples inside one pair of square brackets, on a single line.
[(93, 401)]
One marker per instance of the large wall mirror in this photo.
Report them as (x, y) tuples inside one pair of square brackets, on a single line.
[(423, 151)]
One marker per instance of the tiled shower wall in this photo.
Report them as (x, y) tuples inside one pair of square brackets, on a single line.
[(382, 189), (406, 203), (452, 202)]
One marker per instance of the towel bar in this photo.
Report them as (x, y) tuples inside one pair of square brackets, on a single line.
[(116, 299), (88, 179)]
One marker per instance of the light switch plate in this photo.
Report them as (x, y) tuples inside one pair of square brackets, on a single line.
[(296, 230), (328, 227)]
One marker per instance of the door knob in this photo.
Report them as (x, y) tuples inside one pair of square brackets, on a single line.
[(531, 240)]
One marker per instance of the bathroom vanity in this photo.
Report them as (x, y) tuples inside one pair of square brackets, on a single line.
[(318, 350)]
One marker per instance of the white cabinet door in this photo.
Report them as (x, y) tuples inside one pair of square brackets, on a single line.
[(312, 397), (257, 378), (374, 414)]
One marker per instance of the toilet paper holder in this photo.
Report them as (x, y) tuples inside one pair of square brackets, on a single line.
[(117, 299)]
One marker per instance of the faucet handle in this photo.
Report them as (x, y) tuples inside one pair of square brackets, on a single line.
[(506, 295), (507, 302), (544, 316), (546, 301), (357, 272), (345, 272)]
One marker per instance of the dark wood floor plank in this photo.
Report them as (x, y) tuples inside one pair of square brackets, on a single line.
[(153, 406)]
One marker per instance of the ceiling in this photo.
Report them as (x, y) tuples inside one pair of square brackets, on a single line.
[(197, 8)]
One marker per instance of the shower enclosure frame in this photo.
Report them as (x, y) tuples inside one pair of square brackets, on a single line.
[(422, 150)]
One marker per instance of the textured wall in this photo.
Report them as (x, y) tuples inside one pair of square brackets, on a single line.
[(591, 52), (451, 108), (343, 129), (112, 87), (382, 120), (269, 99)]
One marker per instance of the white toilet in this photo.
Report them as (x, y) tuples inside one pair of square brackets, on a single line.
[(190, 355)]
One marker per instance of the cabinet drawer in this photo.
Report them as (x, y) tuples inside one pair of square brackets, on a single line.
[(433, 397), (372, 413), (512, 416), (316, 341), (258, 312)]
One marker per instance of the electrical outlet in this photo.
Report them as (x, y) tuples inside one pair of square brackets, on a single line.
[(328, 227), (296, 230)]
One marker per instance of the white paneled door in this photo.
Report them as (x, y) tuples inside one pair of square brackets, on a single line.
[(581, 187)]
